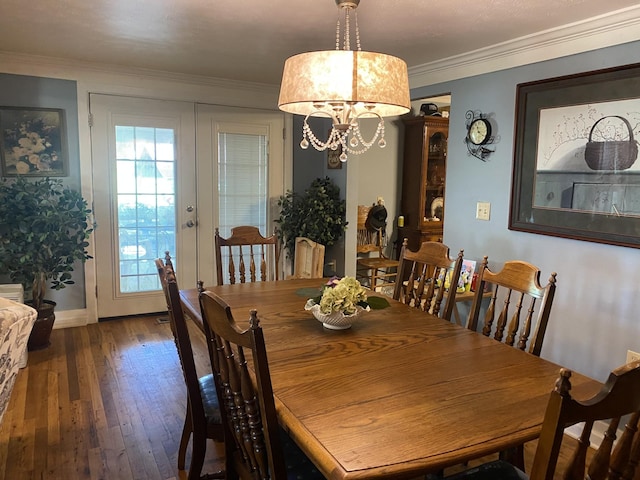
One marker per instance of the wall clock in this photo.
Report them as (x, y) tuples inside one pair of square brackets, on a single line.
[(479, 135)]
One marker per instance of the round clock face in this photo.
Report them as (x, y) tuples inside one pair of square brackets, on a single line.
[(479, 131)]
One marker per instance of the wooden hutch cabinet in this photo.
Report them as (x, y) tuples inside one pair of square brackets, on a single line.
[(423, 180)]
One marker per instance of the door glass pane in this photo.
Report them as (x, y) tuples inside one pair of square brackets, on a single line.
[(242, 183), (145, 204)]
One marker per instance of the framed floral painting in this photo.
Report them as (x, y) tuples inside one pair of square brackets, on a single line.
[(33, 142)]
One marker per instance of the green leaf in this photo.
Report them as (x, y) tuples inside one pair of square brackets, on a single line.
[(377, 303)]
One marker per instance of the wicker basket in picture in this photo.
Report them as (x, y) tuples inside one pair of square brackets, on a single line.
[(611, 154)]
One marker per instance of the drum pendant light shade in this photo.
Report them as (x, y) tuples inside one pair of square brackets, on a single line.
[(346, 86), (345, 77)]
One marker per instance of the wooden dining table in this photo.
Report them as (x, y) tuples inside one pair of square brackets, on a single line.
[(401, 393)]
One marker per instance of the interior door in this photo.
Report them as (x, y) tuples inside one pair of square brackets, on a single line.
[(241, 174), (143, 154)]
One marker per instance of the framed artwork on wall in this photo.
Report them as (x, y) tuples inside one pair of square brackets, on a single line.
[(576, 173), (33, 142), (333, 158)]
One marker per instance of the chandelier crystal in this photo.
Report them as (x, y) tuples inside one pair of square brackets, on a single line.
[(347, 86)]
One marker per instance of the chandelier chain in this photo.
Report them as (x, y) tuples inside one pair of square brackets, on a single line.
[(347, 33), (346, 39), (355, 13)]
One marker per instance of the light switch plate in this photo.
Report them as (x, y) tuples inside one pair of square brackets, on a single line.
[(483, 210)]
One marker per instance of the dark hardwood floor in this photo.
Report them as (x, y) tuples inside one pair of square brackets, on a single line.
[(106, 401)]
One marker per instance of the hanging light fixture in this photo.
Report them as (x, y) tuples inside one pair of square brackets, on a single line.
[(346, 86)]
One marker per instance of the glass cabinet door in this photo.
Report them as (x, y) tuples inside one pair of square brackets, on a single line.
[(435, 177)]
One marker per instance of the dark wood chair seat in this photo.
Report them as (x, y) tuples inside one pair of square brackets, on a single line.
[(619, 396), (255, 445), (210, 400)]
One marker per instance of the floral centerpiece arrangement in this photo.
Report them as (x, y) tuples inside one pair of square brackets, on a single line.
[(342, 299)]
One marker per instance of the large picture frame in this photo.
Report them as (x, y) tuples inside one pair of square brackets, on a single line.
[(576, 173), (33, 142)]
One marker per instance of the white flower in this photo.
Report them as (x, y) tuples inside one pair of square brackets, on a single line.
[(22, 168), (343, 296)]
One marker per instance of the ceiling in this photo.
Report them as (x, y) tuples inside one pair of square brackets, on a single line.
[(250, 40)]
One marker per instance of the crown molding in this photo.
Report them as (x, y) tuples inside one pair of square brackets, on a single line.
[(613, 28), (73, 70), (138, 82)]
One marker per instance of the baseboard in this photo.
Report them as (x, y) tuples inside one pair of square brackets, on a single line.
[(71, 318)]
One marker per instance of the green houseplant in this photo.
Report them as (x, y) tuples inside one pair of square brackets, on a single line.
[(318, 214), (44, 228)]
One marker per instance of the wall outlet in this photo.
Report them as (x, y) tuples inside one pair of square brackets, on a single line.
[(632, 356), (483, 210)]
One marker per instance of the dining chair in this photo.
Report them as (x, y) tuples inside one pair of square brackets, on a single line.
[(308, 258), (202, 419), (517, 285), (619, 396), (247, 246), (422, 276), (373, 267), (255, 446), (523, 317)]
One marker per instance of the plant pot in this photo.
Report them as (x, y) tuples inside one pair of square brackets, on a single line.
[(41, 331)]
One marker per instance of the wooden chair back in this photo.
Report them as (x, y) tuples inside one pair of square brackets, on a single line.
[(252, 442), (367, 240), (517, 285), (618, 397), (308, 259), (180, 330), (425, 272), (373, 268), (247, 256), (203, 418)]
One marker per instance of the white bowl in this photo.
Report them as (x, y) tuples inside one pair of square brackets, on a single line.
[(334, 320)]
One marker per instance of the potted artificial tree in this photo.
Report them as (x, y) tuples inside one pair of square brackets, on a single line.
[(44, 227), (318, 214)]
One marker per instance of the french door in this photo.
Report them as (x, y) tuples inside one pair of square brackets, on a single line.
[(143, 155), (241, 174), (155, 192)]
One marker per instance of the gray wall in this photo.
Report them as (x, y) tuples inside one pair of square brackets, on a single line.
[(27, 91), (310, 164), (594, 319)]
